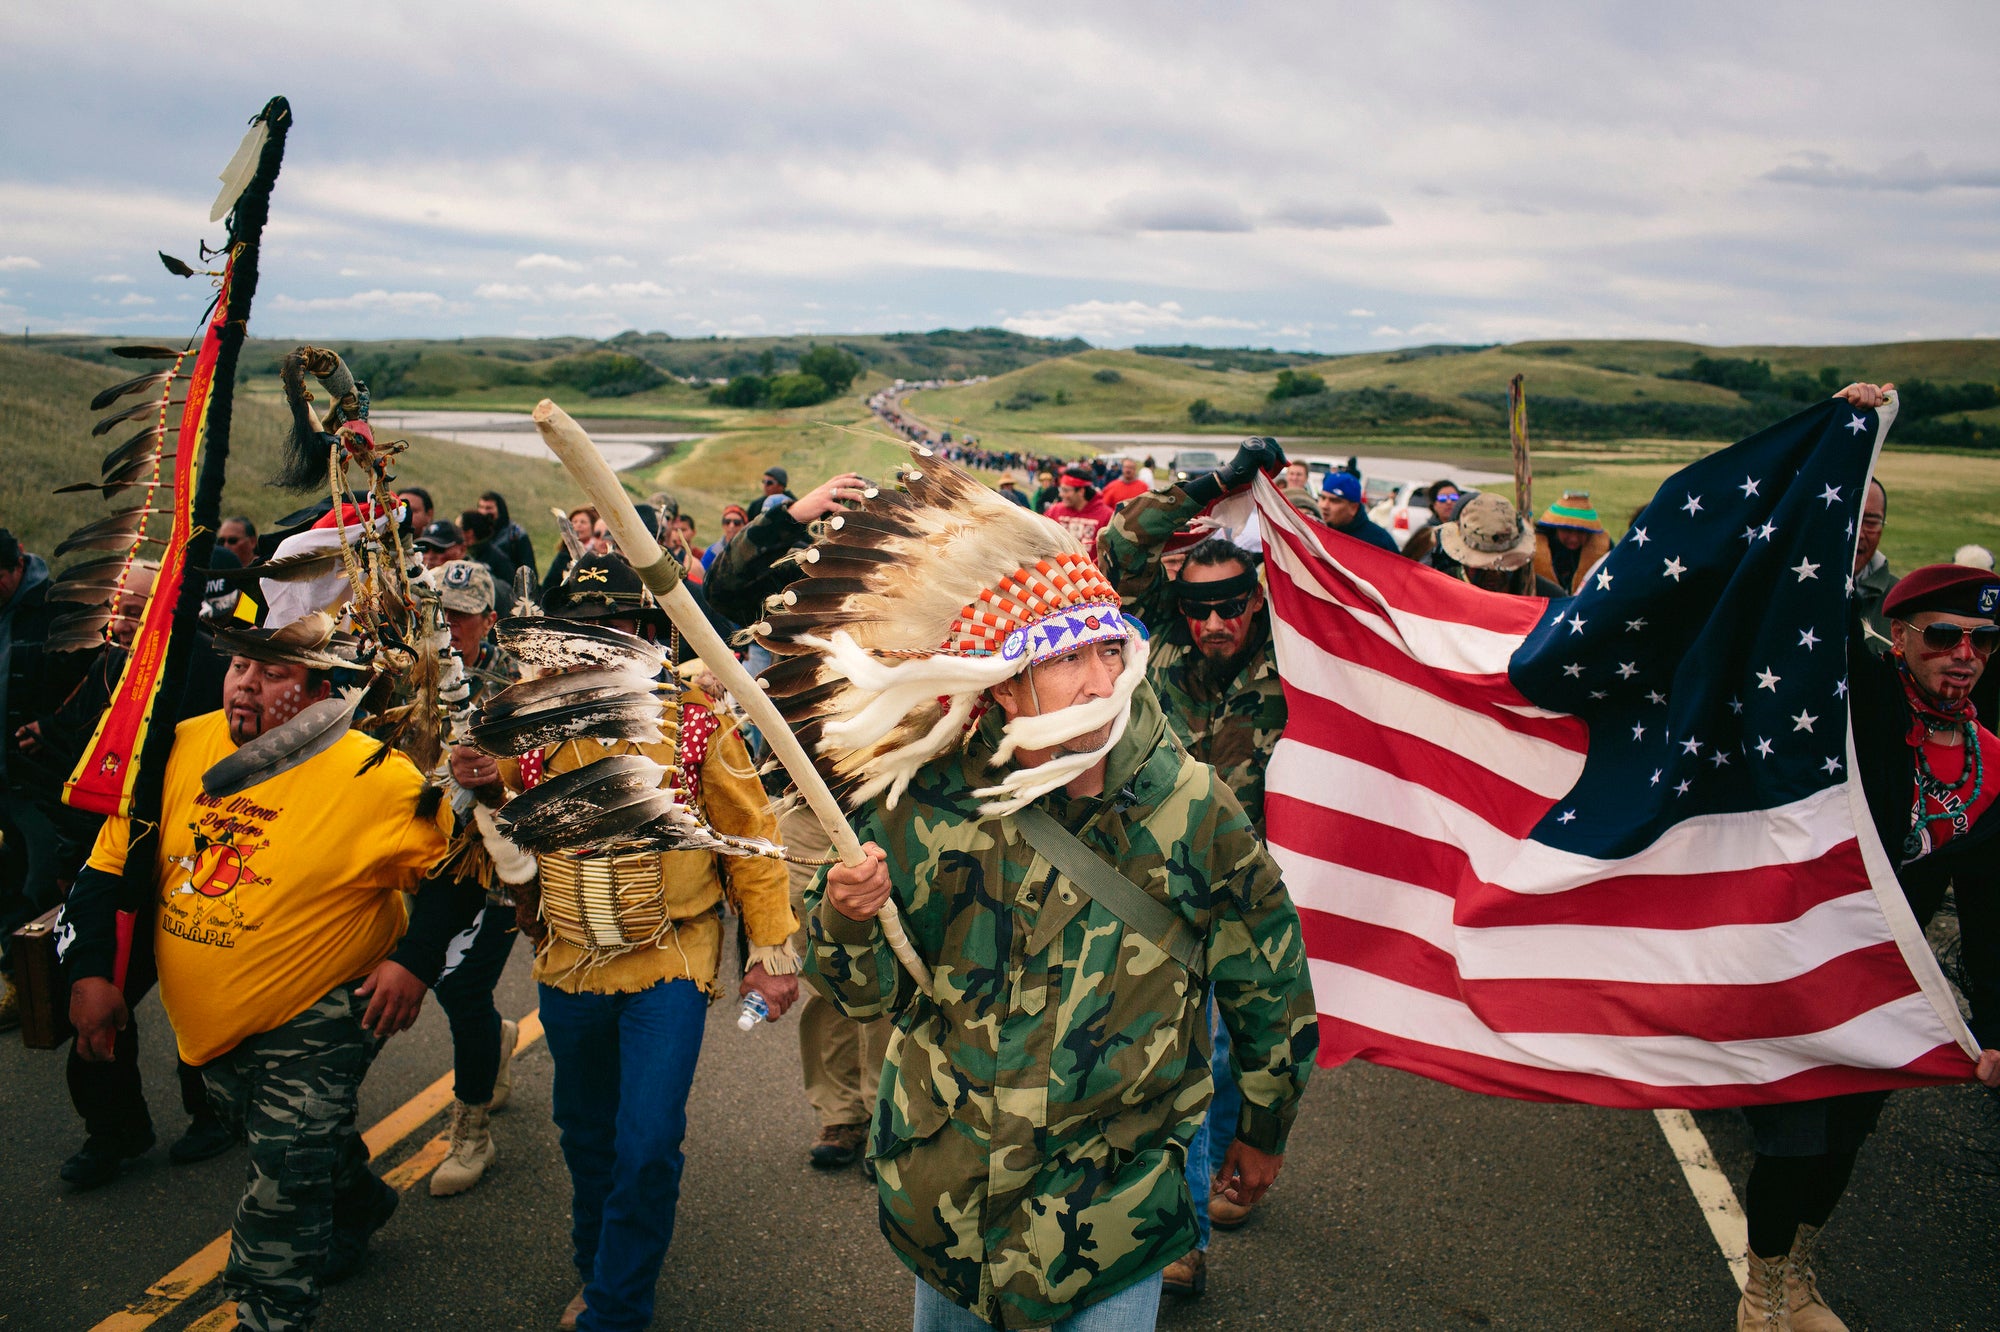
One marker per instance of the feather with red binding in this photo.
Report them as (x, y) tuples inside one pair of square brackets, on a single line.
[(109, 532)]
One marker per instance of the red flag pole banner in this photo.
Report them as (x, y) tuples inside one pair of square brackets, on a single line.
[(124, 768), (105, 776), (1609, 848)]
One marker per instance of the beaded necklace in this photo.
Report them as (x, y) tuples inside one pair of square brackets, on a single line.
[(1930, 717)]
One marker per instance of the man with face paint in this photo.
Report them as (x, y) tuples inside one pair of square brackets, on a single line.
[(1212, 664), (1930, 772), (274, 916)]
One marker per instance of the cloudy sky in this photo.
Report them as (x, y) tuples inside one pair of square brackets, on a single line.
[(1314, 175)]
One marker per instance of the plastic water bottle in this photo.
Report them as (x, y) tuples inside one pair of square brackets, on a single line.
[(755, 1010)]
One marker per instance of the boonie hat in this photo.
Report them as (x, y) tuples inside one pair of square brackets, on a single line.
[(1488, 534), (466, 586)]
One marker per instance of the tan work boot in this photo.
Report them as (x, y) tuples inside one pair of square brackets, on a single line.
[(1226, 1214), (1762, 1308), (503, 1080), (571, 1312), (1187, 1274), (472, 1150), (1803, 1301)]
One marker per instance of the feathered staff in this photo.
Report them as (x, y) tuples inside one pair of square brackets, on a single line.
[(662, 574), (124, 768)]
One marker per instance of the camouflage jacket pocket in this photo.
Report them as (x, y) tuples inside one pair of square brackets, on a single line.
[(915, 1106)]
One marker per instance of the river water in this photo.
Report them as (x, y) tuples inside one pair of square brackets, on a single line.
[(514, 432)]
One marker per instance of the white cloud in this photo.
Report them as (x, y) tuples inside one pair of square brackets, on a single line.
[(134, 298), (1360, 314), (16, 263), (111, 279), (1118, 322), (555, 261), (503, 291), (1914, 174), (1178, 211), (394, 302), (1310, 216)]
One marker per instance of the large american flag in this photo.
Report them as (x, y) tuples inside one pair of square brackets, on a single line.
[(1608, 848)]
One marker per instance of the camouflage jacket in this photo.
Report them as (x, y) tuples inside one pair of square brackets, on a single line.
[(1230, 725), (1032, 1131)]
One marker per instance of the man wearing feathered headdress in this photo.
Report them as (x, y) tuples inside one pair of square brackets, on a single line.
[(1073, 880)]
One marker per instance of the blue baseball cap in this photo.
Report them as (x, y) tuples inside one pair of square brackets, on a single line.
[(1345, 485)]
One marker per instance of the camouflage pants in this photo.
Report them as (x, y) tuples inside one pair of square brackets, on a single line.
[(293, 1091)]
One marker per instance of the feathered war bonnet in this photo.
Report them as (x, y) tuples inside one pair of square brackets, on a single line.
[(917, 603)]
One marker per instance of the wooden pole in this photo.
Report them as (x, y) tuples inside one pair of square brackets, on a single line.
[(1517, 432), (662, 573)]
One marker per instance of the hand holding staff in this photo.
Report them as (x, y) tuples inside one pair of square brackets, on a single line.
[(662, 574)]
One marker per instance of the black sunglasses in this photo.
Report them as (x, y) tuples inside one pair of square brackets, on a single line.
[(1945, 637), (1228, 608)]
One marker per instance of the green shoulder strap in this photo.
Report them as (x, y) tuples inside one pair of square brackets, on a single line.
[(1124, 899)]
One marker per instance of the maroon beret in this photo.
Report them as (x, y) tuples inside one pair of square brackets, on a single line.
[(1955, 589)]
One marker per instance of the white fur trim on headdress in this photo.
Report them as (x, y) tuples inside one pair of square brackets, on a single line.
[(1026, 785)]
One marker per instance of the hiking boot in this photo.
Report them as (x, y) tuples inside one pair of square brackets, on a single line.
[(1187, 1274), (102, 1156), (1803, 1302), (1762, 1308), (349, 1246), (571, 1312), (503, 1081), (838, 1146), (472, 1150), (1226, 1215), (206, 1136)]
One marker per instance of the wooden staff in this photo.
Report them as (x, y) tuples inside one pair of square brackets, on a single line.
[(1517, 433), (662, 574)]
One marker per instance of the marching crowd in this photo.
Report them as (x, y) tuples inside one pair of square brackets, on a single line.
[(1037, 1111)]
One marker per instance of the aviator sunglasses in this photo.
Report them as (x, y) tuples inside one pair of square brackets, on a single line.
[(1945, 637)]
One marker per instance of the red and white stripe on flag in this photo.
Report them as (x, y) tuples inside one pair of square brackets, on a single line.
[(1738, 959)]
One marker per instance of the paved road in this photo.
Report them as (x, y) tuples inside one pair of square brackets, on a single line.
[(1405, 1204)]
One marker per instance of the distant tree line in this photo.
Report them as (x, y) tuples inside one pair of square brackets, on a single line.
[(823, 373)]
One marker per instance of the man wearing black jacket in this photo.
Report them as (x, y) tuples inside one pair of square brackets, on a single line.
[(1930, 772)]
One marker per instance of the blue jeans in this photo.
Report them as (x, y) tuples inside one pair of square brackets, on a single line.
[(624, 1064), (1211, 1141), (1133, 1309)]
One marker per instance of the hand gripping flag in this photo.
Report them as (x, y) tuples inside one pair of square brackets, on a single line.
[(1608, 848)]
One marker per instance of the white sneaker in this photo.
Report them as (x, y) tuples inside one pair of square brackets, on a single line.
[(503, 1081), (472, 1150)]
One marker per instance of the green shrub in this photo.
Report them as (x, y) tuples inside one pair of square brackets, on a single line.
[(796, 390), (832, 366), (1021, 401), (741, 391), (603, 374), (1296, 384), (1108, 376), (1201, 411)]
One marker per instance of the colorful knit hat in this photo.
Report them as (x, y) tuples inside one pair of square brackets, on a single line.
[(901, 626), (1573, 510)]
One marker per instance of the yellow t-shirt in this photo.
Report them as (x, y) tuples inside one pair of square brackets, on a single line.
[(270, 898)]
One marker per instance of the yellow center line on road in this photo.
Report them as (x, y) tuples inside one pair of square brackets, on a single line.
[(173, 1289), (1710, 1188)]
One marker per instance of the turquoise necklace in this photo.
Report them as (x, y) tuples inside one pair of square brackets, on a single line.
[(1931, 785)]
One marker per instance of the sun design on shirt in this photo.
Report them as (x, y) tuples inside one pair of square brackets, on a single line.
[(221, 865)]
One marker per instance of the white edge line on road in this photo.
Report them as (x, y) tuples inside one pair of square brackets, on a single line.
[(1710, 1188)]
